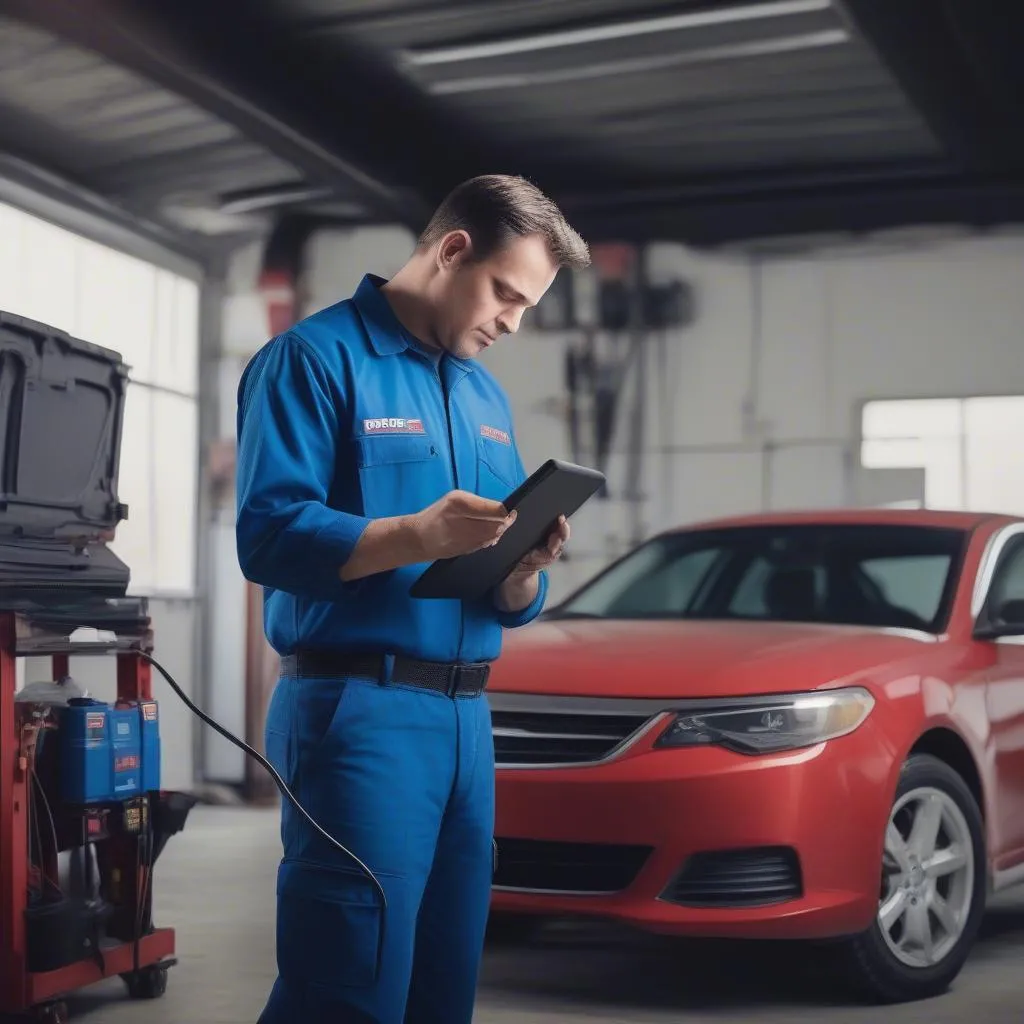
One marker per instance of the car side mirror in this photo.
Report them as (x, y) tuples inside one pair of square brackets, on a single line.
[(1006, 619)]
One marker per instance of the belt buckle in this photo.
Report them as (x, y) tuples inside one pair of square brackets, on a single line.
[(454, 678)]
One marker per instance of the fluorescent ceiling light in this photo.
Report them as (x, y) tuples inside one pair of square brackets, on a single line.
[(641, 65), (621, 30)]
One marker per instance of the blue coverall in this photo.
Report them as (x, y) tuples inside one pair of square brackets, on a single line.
[(341, 420)]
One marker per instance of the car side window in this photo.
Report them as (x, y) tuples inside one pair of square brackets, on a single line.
[(1008, 579)]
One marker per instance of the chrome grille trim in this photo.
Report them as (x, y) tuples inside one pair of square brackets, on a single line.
[(648, 714), (524, 733)]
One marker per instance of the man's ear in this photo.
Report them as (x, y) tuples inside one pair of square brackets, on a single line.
[(454, 250)]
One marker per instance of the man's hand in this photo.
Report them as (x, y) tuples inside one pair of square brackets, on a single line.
[(519, 588), (460, 523), (456, 524)]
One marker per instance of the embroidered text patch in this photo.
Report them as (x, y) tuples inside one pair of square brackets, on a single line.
[(496, 435), (393, 425)]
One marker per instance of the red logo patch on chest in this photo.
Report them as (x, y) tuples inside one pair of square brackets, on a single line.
[(495, 434), (393, 425)]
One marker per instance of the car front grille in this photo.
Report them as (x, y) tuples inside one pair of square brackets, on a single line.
[(737, 878), (538, 866), (560, 735)]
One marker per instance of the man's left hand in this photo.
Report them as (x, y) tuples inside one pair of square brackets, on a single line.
[(520, 586)]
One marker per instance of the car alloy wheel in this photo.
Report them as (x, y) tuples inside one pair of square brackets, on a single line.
[(928, 877), (933, 887)]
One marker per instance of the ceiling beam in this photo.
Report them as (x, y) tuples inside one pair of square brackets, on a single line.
[(59, 201), (740, 186), (345, 93), (951, 59), (823, 210)]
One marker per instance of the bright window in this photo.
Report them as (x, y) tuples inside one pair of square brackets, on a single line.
[(151, 317), (968, 448)]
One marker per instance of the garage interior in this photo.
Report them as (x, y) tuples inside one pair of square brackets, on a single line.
[(811, 213)]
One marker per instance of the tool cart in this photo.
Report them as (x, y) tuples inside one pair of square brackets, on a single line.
[(83, 818)]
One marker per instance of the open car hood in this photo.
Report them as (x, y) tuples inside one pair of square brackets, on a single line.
[(61, 413)]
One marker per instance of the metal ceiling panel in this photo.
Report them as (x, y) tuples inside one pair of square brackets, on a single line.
[(394, 25), (644, 91), (632, 46), (704, 87), (812, 80), (116, 132), (99, 112), (382, 105), (820, 104)]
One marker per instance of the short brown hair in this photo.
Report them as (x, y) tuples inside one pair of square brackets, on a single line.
[(495, 208)]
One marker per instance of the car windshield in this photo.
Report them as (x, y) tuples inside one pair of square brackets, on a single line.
[(893, 576)]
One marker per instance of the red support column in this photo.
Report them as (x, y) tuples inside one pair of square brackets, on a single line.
[(13, 832), (134, 678)]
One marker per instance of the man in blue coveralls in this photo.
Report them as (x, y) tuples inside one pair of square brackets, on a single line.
[(370, 444)]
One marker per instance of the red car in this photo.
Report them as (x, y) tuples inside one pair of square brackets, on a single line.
[(805, 726)]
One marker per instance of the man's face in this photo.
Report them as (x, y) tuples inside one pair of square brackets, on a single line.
[(478, 301)]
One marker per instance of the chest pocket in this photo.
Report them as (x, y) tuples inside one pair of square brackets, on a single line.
[(496, 470), (398, 474)]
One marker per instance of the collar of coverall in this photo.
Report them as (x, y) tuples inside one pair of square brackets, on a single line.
[(387, 335)]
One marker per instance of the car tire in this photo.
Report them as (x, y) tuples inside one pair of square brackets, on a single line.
[(887, 962)]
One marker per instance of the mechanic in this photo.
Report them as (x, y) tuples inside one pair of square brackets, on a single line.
[(369, 444)]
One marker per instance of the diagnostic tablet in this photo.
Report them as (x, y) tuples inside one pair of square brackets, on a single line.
[(556, 489)]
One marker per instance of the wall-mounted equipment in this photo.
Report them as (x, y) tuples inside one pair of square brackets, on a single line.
[(596, 299), (668, 305), (555, 311)]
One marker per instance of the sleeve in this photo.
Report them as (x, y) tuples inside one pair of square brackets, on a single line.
[(512, 620), (288, 425)]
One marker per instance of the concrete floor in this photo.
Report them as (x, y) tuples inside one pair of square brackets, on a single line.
[(215, 884)]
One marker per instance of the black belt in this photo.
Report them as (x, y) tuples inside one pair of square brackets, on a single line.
[(465, 678)]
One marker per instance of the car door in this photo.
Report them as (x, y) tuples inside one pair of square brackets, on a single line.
[(1005, 702)]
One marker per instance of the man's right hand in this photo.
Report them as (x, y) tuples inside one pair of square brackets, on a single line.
[(456, 524), (460, 523)]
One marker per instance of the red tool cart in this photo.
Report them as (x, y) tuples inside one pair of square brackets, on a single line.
[(37, 919)]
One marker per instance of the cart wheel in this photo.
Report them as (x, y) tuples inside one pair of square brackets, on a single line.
[(146, 983), (52, 1013)]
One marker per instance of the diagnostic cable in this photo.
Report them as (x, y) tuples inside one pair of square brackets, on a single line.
[(285, 792)]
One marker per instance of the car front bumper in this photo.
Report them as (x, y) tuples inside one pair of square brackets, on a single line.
[(702, 841)]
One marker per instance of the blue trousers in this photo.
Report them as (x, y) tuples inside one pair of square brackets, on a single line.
[(404, 778)]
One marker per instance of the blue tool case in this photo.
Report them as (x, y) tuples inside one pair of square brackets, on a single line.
[(108, 753)]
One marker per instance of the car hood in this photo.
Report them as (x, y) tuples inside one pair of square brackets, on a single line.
[(615, 658)]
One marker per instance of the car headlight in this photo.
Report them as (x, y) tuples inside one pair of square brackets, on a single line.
[(770, 724)]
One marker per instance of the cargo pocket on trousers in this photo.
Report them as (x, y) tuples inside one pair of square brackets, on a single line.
[(328, 927)]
